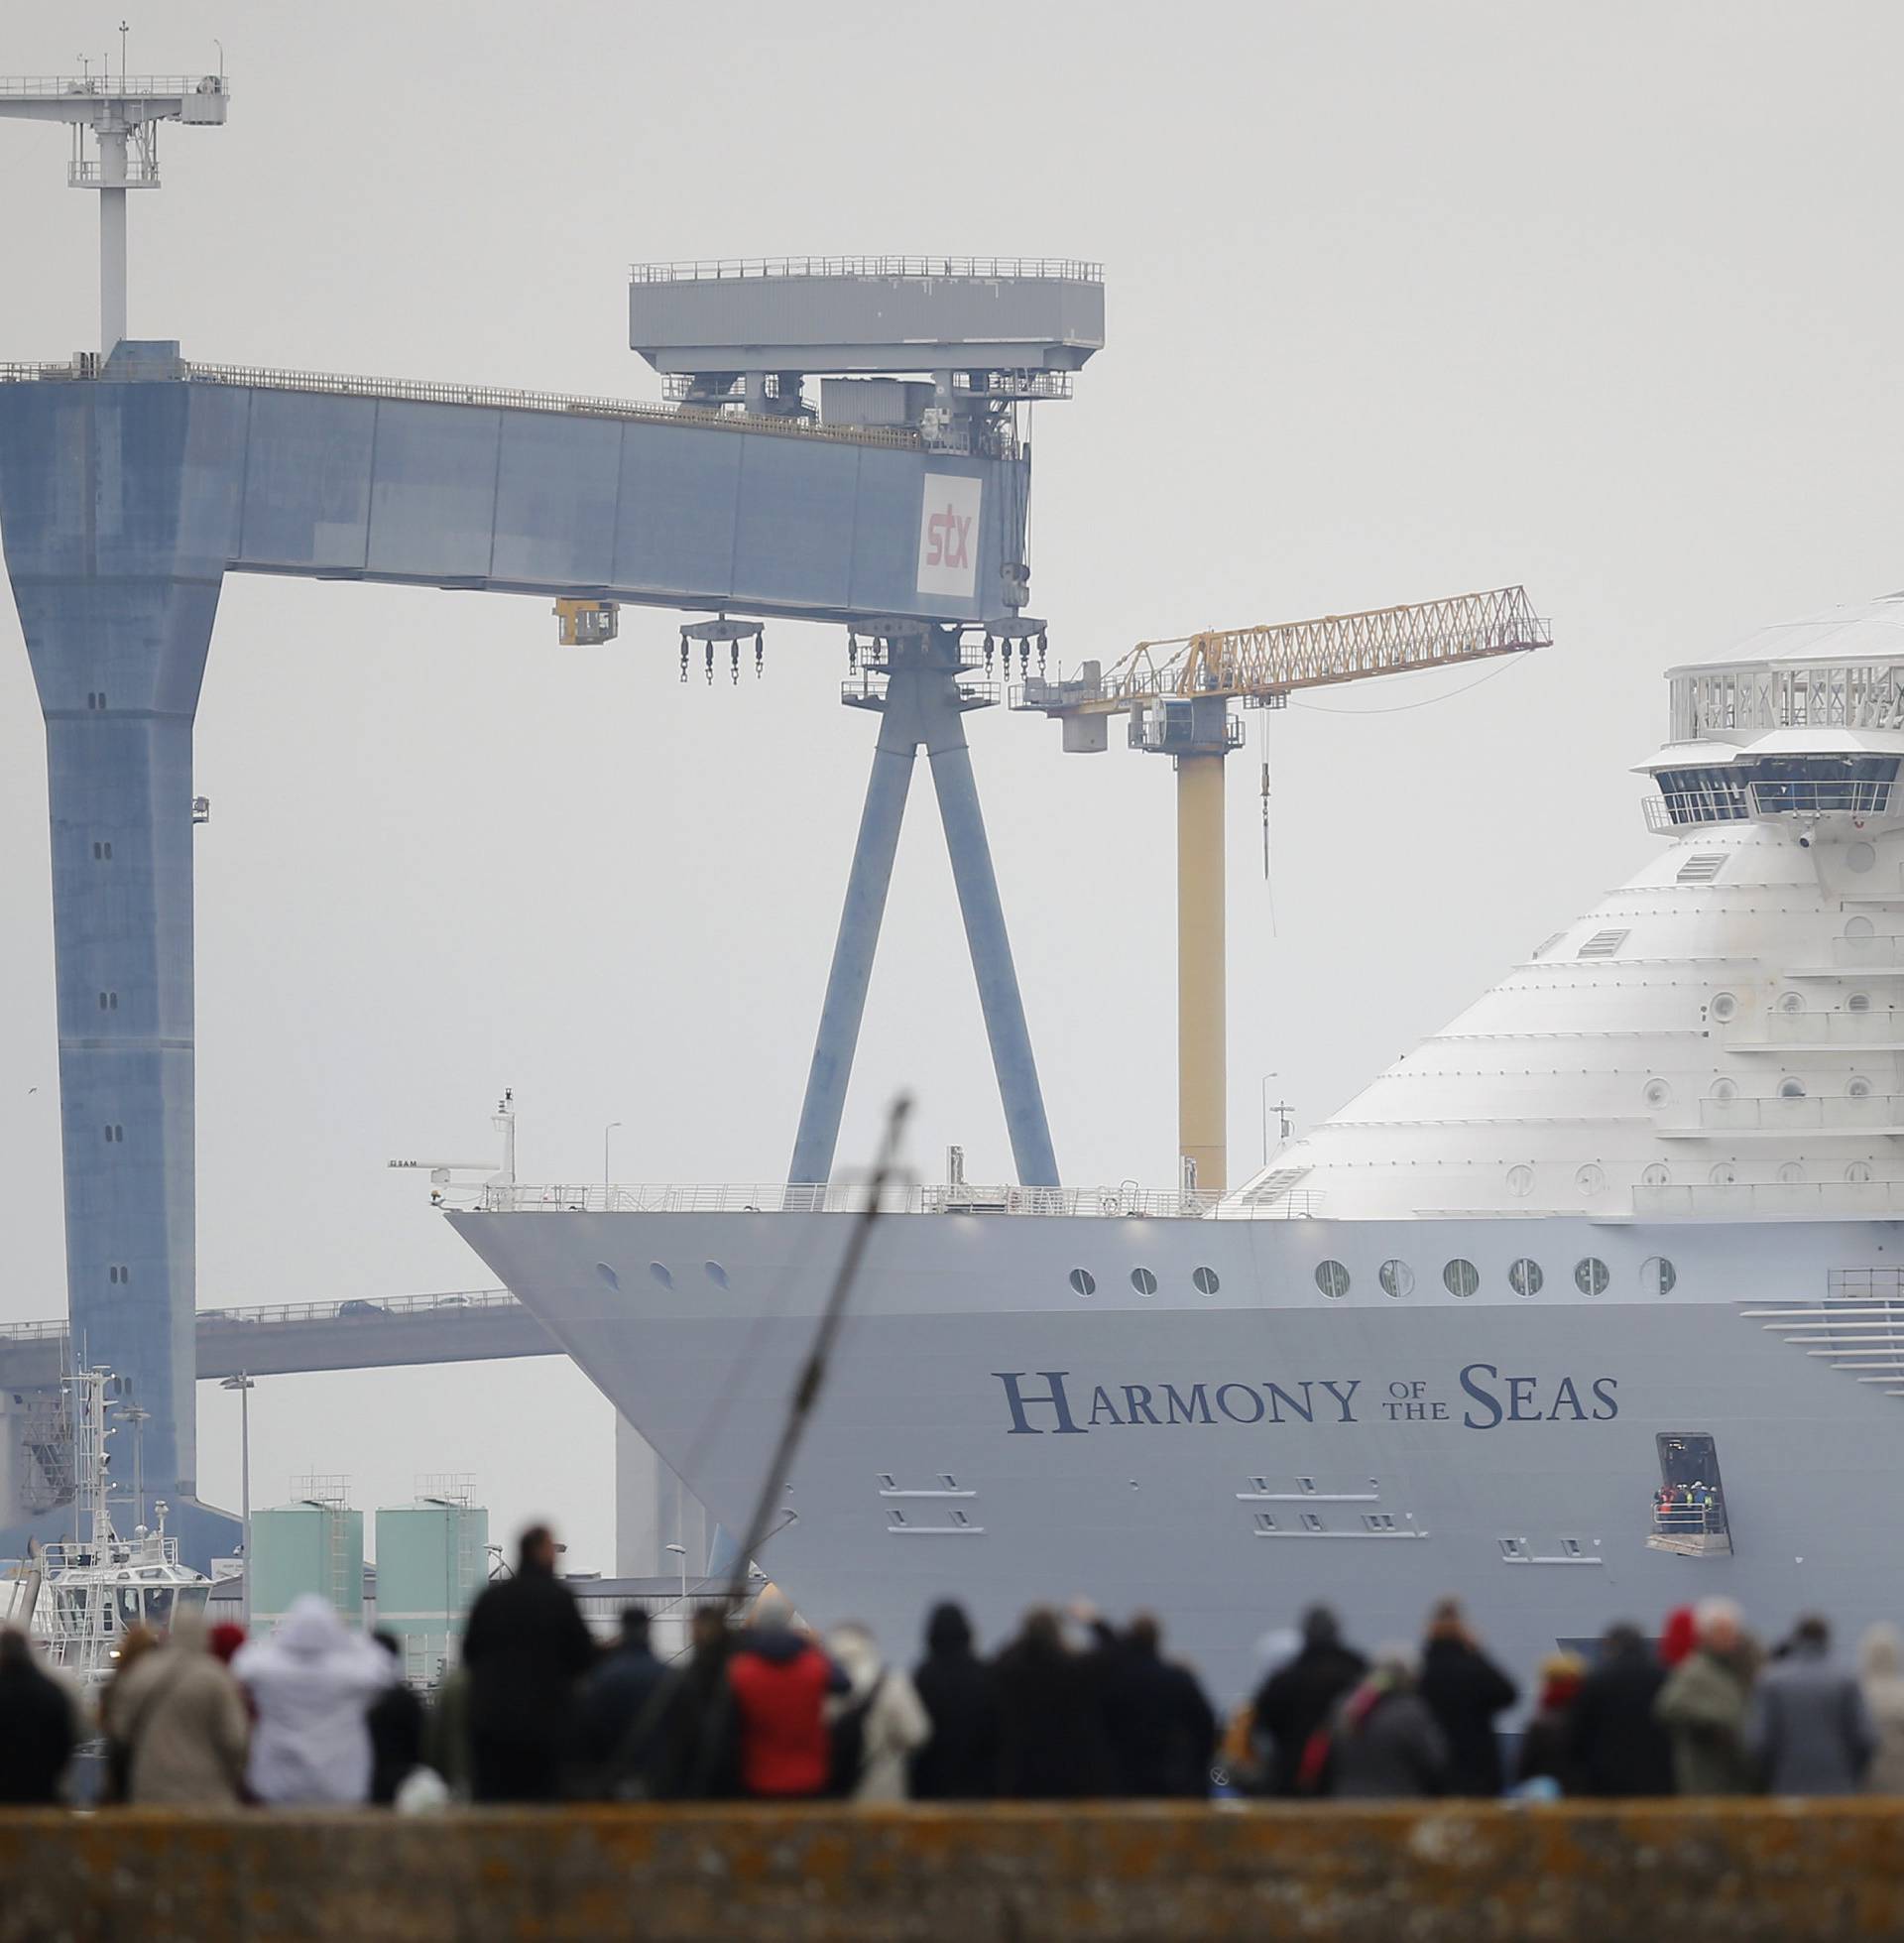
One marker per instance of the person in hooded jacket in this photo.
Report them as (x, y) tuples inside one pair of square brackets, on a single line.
[(1295, 1702), (524, 1649), (1808, 1732), (1383, 1742), (181, 1722), (312, 1683), (1051, 1733), (38, 1726), (893, 1724), (1467, 1693), (960, 1762), (1880, 1661), (1618, 1746), (777, 1685), (1162, 1727)]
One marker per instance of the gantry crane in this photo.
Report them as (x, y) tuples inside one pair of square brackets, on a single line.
[(1178, 696)]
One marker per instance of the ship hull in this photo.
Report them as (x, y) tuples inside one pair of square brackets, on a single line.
[(1240, 1442)]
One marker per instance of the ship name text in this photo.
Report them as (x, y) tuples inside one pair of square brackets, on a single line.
[(1484, 1396)]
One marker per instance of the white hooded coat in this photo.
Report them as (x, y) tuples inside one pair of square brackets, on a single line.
[(311, 1682), (896, 1723)]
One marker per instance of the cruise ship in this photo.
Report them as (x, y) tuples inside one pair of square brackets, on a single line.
[(1589, 1306)]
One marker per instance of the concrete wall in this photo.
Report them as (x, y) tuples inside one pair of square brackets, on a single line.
[(1748, 1871)]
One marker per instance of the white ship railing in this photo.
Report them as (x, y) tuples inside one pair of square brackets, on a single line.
[(698, 270), (851, 1198), (1876, 1200), (1773, 1031)]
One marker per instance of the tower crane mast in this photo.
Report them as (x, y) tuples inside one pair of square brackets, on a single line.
[(1178, 695)]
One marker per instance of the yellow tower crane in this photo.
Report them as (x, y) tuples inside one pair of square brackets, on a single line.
[(1178, 696)]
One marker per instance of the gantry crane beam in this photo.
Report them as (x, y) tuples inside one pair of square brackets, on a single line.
[(1178, 695)]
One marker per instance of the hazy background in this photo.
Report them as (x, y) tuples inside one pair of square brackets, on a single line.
[(1404, 300)]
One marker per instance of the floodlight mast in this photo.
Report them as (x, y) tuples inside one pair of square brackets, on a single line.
[(123, 121)]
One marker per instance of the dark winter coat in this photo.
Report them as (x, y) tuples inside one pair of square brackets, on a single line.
[(396, 1721), (1547, 1751), (1466, 1691), (36, 1732), (1395, 1752), (621, 1722), (1161, 1727), (1293, 1702), (959, 1692), (525, 1647), (1618, 1745), (1051, 1739)]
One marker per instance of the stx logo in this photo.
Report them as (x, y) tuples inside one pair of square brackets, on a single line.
[(949, 530), (946, 537)]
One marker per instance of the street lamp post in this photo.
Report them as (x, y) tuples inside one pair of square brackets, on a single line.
[(244, 1386), (606, 1131)]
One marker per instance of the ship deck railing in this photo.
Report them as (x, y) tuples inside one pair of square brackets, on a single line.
[(852, 1197)]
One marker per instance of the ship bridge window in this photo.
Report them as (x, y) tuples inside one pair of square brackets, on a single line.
[(1689, 1506), (1859, 785), (1707, 794)]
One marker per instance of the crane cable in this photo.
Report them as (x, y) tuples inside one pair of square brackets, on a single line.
[(1427, 701)]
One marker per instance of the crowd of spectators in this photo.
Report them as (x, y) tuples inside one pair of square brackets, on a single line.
[(1073, 1706)]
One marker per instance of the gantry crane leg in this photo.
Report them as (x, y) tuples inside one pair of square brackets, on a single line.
[(1202, 984), (921, 706)]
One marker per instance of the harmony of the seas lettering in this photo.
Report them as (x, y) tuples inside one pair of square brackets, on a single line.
[(1056, 1403)]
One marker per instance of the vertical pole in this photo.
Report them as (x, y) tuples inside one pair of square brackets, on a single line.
[(244, 1487), (984, 932), (1202, 1107), (112, 237), (859, 920)]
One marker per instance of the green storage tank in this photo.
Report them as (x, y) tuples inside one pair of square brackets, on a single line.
[(432, 1559), (313, 1544)]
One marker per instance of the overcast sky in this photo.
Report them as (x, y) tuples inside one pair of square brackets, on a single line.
[(1404, 300)]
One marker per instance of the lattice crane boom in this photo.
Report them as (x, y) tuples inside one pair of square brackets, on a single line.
[(1179, 695)]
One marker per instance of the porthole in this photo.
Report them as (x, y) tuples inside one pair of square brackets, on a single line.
[(1083, 1282), (1396, 1277), (1144, 1281), (609, 1279), (1332, 1278), (1791, 1002), (1791, 1089), (1460, 1277), (715, 1273), (1859, 1002), (1657, 1276), (1859, 927), (1723, 1174), (1658, 1093), (1791, 1173), (1724, 1006), (1206, 1282), (1524, 1277), (1590, 1276), (1859, 1174), (1520, 1180), (1592, 1179), (1657, 1174), (1857, 1087), (1860, 857), (662, 1273), (1725, 1089)]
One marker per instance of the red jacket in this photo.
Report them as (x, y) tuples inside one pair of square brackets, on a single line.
[(779, 1685)]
